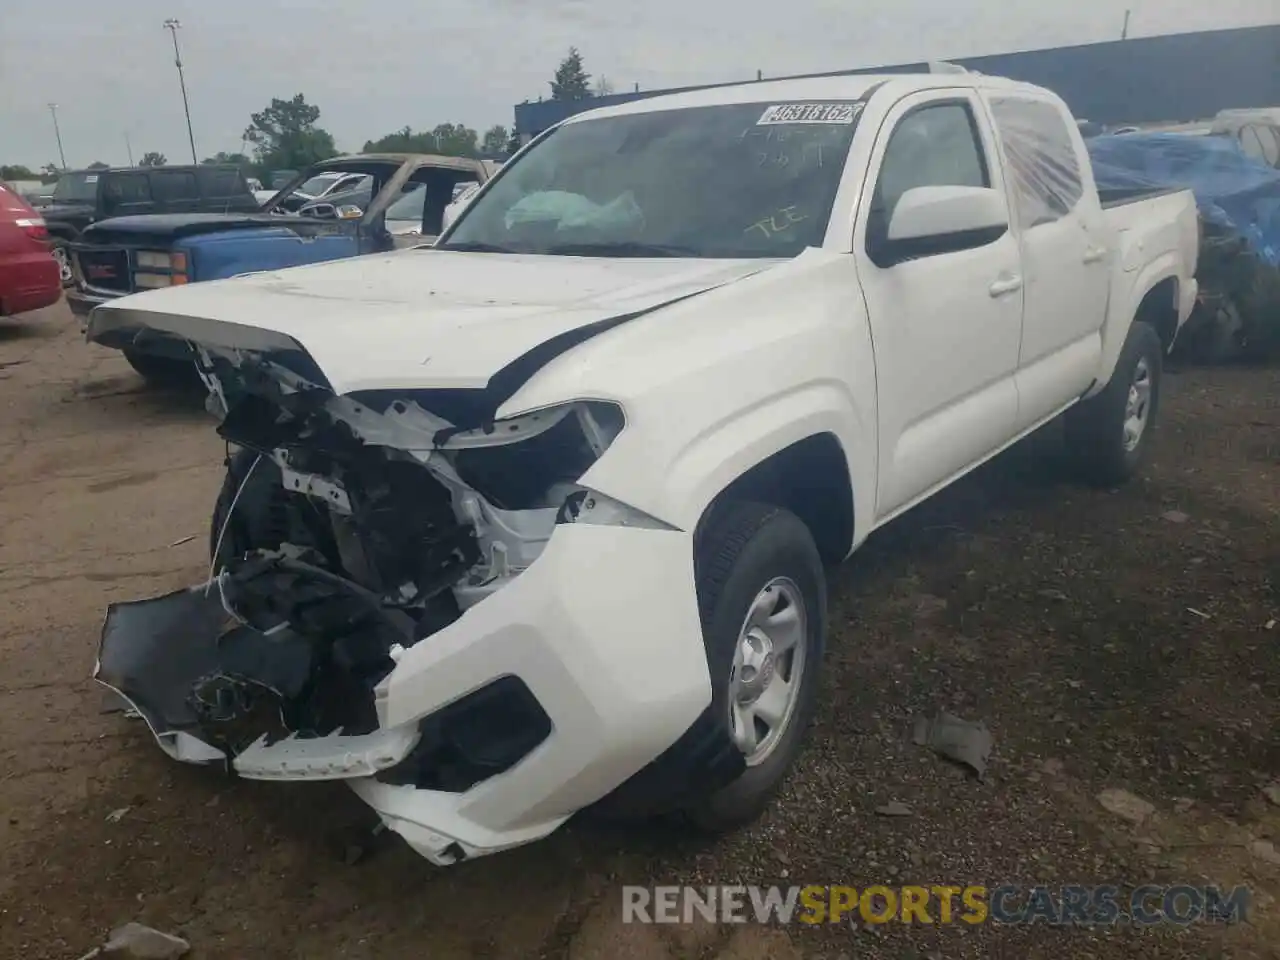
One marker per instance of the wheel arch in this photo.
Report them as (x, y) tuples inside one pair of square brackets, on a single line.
[(1154, 299), (810, 478)]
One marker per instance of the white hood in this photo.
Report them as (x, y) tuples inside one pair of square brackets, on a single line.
[(419, 318)]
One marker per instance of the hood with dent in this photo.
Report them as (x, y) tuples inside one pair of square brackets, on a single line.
[(417, 319)]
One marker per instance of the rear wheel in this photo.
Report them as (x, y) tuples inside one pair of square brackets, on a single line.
[(1109, 434)]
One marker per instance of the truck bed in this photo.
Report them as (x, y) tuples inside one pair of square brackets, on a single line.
[(1121, 196)]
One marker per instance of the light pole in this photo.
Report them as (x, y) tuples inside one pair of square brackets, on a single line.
[(53, 109), (173, 26), (128, 146)]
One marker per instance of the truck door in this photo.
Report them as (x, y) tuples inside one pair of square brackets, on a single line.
[(1065, 261), (945, 323)]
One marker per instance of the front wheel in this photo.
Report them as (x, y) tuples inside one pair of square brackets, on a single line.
[(1109, 434), (164, 372), (762, 599)]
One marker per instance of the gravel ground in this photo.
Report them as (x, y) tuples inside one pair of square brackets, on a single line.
[(1121, 639)]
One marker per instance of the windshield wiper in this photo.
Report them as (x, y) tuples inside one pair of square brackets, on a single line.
[(476, 246), (626, 248)]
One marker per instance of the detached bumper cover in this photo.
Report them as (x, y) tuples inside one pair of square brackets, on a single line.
[(603, 630)]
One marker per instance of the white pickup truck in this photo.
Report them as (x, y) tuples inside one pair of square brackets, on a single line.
[(536, 519)]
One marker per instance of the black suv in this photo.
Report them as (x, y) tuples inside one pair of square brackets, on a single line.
[(82, 197)]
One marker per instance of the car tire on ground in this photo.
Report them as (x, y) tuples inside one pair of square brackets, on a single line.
[(164, 371), (61, 250), (1109, 434), (762, 600)]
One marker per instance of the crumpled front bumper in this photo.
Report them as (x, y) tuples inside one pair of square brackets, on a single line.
[(603, 630)]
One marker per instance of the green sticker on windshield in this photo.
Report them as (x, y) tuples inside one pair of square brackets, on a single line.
[(840, 114)]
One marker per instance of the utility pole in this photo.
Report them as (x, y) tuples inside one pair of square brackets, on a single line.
[(53, 109), (173, 26), (1124, 33), (128, 146)]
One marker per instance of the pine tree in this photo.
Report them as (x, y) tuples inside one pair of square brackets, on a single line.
[(571, 81)]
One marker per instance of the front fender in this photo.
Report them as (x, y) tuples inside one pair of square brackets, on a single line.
[(716, 384), (218, 256), (679, 490)]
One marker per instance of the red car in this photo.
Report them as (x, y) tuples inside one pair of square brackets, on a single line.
[(28, 273)]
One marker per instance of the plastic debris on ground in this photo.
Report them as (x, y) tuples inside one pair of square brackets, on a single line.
[(136, 941), (963, 741), (1239, 202)]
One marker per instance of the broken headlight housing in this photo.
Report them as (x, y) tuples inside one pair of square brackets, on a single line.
[(535, 460)]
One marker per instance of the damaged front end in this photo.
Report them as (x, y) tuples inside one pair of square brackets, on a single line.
[(353, 531)]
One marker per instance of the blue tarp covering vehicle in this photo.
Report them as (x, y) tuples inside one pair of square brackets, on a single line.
[(1239, 201), (1235, 192)]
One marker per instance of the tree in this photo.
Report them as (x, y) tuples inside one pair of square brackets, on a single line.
[(285, 135), (50, 172), (571, 81), (447, 139), (98, 165), (456, 140), (222, 157), (603, 88), (495, 140), (17, 171), (153, 159)]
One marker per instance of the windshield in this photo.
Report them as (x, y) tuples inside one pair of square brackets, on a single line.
[(409, 206), (76, 188), (733, 180)]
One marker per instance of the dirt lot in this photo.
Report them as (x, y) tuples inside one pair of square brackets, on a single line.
[(1109, 639)]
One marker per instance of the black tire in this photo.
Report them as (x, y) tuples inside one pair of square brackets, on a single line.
[(60, 247), (1095, 428), (164, 371), (742, 549), (256, 522)]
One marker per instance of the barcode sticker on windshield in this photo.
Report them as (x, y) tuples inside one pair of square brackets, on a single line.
[(835, 113)]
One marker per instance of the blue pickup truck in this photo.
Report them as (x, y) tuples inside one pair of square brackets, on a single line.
[(124, 255)]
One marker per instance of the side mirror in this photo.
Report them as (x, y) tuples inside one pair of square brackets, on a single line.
[(934, 220), (349, 211), (321, 211)]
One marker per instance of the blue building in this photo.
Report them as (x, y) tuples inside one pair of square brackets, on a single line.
[(1178, 78)]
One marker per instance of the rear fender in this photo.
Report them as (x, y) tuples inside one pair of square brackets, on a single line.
[(217, 256), (1127, 294)]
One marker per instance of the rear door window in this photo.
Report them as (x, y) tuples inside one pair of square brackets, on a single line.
[(222, 184), (124, 193), (1041, 158), (170, 186)]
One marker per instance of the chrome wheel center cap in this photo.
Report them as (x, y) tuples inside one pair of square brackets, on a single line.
[(758, 666)]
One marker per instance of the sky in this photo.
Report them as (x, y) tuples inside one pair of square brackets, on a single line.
[(376, 66)]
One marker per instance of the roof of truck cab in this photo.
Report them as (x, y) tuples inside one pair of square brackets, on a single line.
[(164, 167), (422, 159), (807, 89)]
